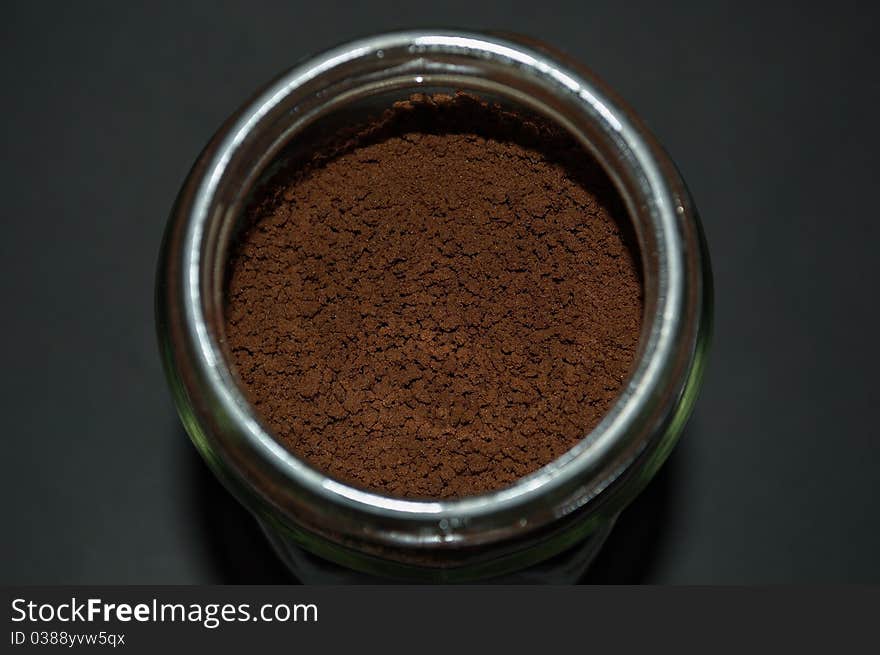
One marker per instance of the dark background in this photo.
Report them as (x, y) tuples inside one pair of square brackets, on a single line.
[(770, 112)]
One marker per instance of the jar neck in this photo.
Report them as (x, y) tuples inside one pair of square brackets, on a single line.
[(225, 426)]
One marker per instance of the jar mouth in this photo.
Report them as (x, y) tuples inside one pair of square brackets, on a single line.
[(225, 426)]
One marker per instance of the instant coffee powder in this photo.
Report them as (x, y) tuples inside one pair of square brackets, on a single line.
[(440, 302)]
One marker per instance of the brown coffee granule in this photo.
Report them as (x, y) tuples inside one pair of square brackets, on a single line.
[(438, 304)]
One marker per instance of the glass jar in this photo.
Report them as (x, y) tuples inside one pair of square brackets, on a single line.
[(548, 525)]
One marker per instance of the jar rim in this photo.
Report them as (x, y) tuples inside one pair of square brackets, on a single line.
[(225, 426)]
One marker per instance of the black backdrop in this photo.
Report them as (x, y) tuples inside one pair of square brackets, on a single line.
[(770, 112)]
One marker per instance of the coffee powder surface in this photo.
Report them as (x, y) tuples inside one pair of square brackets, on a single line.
[(437, 304)]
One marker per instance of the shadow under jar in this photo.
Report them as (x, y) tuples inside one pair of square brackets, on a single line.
[(548, 525)]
